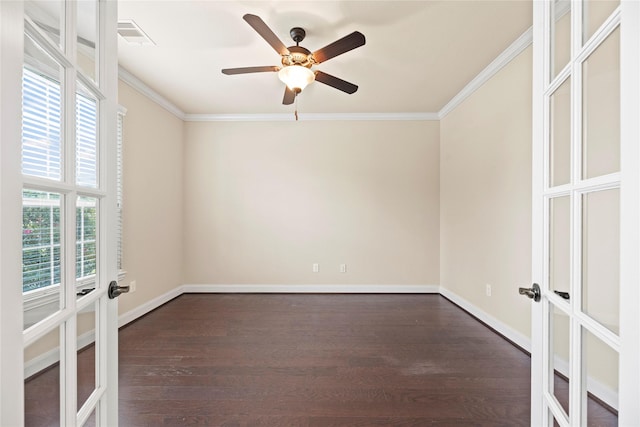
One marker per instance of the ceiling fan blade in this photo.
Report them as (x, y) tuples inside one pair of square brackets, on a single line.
[(345, 44), (246, 70), (289, 96), (335, 82), (261, 28)]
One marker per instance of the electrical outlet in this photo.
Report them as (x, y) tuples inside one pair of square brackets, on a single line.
[(343, 268), (316, 268), (132, 286), (488, 290)]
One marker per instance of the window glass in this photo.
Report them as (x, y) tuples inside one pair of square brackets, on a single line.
[(42, 404), (560, 135), (87, 11), (119, 195), (86, 138), (601, 109), (41, 229), (48, 16), (594, 13), (560, 35), (41, 114), (601, 257), (86, 237)]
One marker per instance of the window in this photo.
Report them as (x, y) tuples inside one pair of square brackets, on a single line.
[(42, 158), (86, 237), (40, 239), (41, 127)]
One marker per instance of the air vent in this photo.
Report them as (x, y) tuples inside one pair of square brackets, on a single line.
[(132, 33)]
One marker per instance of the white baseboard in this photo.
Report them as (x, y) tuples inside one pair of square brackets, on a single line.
[(338, 289), (595, 387), (140, 311), (518, 338)]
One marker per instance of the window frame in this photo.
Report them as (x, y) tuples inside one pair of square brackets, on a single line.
[(37, 300)]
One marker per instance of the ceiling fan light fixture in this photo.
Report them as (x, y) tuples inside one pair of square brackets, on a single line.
[(296, 77)]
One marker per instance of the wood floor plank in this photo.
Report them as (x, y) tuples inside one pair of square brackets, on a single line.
[(318, 360)]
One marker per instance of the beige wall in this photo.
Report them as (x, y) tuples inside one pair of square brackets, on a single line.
[(264, 201), (485, 188), (152, 204)]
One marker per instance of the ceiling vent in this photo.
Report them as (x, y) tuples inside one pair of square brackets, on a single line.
[(132, 33)]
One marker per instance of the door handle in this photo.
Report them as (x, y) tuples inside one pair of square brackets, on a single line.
[(562, 294), (533, 292), (114, 290), (84, 292)]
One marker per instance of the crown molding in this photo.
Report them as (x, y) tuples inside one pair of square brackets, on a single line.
[(142, 87), (508, 55), (309, 117)]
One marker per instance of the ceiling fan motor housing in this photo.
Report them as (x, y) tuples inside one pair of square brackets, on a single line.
[(297, 34), (298, 55)]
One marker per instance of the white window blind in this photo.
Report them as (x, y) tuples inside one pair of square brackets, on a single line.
[(41, 157), (86, 141), (41, 129)]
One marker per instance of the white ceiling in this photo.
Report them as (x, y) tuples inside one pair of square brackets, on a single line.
[(418, 54)]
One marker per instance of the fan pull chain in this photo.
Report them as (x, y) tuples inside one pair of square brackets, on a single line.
[(295, 113)]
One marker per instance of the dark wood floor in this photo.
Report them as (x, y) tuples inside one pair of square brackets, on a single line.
[(316, 360)]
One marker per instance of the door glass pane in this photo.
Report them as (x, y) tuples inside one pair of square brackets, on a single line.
[(601, 257), (601, 370), (87, 11), (560, 35), (601, 109), (41, 114), (594, 13), (42, 381), (560, 138), (86, 353), (559, 355), (559, 243), (86, 138), (47, 15), (91, 421), (86, 240), (41, 249)]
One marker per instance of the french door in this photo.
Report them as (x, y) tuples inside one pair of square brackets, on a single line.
[(59, 123), (586, 185)]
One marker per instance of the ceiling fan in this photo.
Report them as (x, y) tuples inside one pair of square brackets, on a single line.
[(297, 61)]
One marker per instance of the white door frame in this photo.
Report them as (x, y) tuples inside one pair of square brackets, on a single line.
[(11, 353), (109, 327), (537, 210), (629, 335), (629, 393), (12, 337)]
